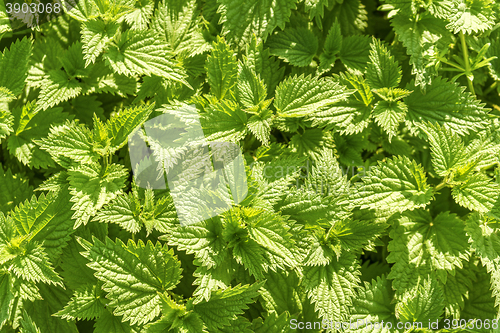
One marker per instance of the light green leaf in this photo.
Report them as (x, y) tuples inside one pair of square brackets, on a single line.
[(133, 276), (96, 35), (447, 149), (85, 304), (121, 124), (382, 71), (332, 288), (93, 186), (222, 69), (388, 115), (70, 140), (143, 54), (14, 65), (225, 121), (259, 17), (422, 304), (297, 46), (299, 96), (398, 183), (447, 104), (477, 193), (470, 17), (224, 305)]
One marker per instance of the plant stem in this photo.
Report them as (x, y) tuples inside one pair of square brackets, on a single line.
[(490, 88), (440, 186), (467, 63)]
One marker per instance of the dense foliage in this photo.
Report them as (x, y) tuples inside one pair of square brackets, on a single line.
[(370, 133)]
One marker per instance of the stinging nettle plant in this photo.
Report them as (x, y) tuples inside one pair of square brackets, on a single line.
[(405, 92)]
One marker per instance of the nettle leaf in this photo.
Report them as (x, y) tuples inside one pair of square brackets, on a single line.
[(70, 140), (122, 123), (332, 288), (46, 219), (30, 125), (96, 35), (422, 304), (141, 53), (33, 265), (374, 303), (298, 46), (398, 183), (355, 52), (447, 104), (177, 22), (251, 89), (424, 37), (259, 17), (331, 48), (486, 242), (224, 305), (471, 16), (92, 186), (14, 189), (382, 70), (84, 305), (302, 95), (222, 69), (134, 275), (266, 66), (388, 115), (478, 193), (225, 121), (14, 65), (447, 149), (422, 243)]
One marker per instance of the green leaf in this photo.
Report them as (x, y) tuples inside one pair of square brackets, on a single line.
[(382, 70), (121, 125), (14, 65), (388, 115), (355, 52), (143, 54), (260, 126), (447, 104), (297, 46), (225, 121), (424, 244), (133, 276), (422, 304), (46, 219), (96, 35), (299, 96), (424, 38), (85, 305), (30, 125), (311, 142), (251, 89), (70, 140), (177, 23), (398, 183), (331, 48), (33, 265), (486, 242), (241, 19), (224, 305), (92, 186), (471, 16), (478, 193), (447, 149), (332, 288), (373, 303), (28, 326), (14, 189), (266, 66), (222, 69)]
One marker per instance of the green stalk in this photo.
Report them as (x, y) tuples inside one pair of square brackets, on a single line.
[(467, 63)]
